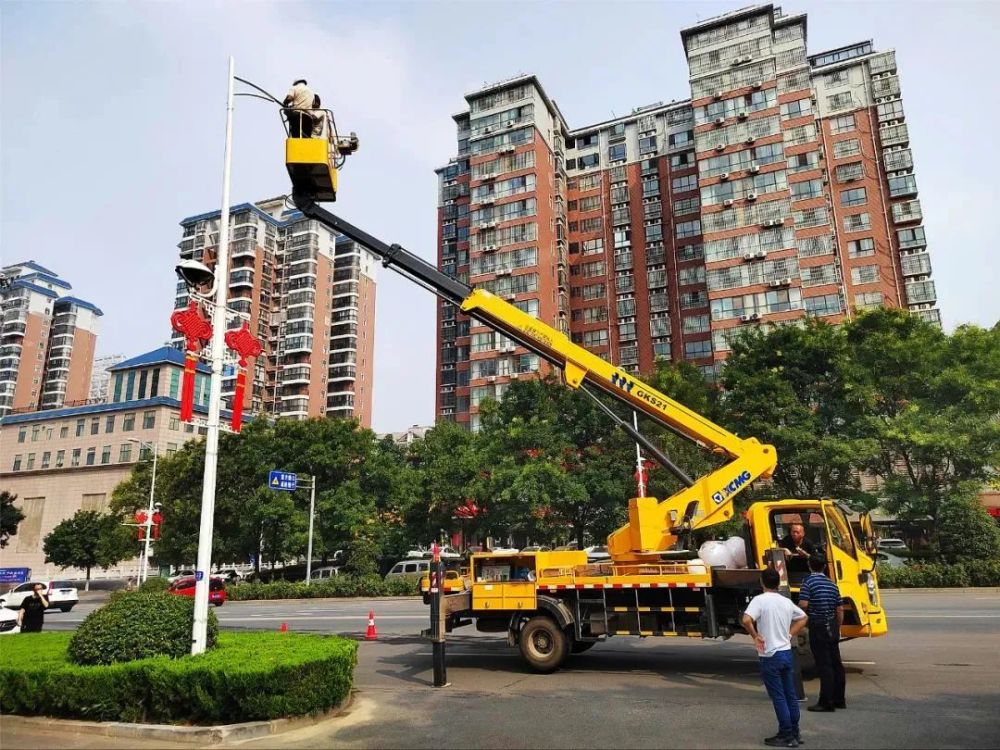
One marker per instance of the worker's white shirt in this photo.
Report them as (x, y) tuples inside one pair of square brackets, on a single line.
[(773, 615), (302, 96)]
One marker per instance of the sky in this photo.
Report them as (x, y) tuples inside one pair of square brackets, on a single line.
[(112, 122)]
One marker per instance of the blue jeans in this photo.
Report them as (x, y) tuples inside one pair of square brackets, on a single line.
[(776, 671)]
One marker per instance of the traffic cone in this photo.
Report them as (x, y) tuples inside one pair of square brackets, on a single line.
[(371, 634), (283, 628)]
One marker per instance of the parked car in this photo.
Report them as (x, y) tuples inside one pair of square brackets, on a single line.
[(61, 595), (892, 561), (567, 547), (186, 586), (891, 543), (537, 548), (231, 575), (417, 553), (596, 553), (327, 571), (500, 551), (409, 569), (181, 574), (8, 622)]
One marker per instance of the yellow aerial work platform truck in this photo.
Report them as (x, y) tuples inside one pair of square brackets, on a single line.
[(553, 604)]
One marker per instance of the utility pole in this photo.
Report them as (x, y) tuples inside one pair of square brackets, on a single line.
[(312, 515), (199, 631)]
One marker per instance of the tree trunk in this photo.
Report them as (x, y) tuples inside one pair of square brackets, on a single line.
[(86, 586)]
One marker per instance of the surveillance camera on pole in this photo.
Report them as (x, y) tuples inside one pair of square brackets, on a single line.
[(199, 278)]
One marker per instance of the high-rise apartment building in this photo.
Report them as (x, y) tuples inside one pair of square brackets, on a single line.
[(783, 187), (308, 295), (47, 341), (100, 380)]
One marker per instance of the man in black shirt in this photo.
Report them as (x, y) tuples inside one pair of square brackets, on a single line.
[(799, 548), (31, 614)]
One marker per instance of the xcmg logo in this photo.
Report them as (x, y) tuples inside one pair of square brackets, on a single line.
[(730, 488), (629, 386)]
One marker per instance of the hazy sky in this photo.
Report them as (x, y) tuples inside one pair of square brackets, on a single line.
[(113, 118)]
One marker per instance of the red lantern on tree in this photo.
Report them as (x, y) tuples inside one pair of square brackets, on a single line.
[(246, 345), (140, 520), (196, 331)]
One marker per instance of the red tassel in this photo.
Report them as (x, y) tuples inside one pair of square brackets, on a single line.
[(237, 418), (187, 387)]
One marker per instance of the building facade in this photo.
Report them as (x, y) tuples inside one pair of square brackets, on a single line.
[(47, 340), (782, 187), (308, 295), (60, 461), (101, 378)]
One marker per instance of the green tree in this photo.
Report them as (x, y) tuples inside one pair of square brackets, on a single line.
[(10, 517), (965, 531), (930, 407), (89, 539)]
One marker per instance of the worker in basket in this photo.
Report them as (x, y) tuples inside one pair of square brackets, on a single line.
[(299, 105)]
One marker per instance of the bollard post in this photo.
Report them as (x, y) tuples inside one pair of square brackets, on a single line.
[(437, 618)]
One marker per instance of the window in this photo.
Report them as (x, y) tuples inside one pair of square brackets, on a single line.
[(688, 228), (853, 197), (647, 144), (31, 461), (848, 172), (689, 182), (686, 206), (803, 162), (91, 456), (865, 275), (595, 338), (17, 463), (118, 388), (148, 420), (695, 275), (861, 248), (142, 383), (109, 423), (75, 460), (798, 108), (842, 124), (804, 190), (902, 185), (867, 300), (696, 324), (175, 422), (626, 331), (22, 433), (910, 238), (857, 222), (63, 431), (588, 160), (843, 149), (698, 349), (128, 423), (60, 459), (828, 304), (46, 458), (106, 454), (840, 101), (80, 426), (616, 152), (125, 453), (626, 307)]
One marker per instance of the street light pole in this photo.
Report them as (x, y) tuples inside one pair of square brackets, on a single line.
[(309, 549), (144, 569), (199, 631)]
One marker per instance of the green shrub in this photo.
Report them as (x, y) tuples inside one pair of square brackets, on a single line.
[(154, 583), (941, 575), (249, 677), (138, 625), (338, 586)]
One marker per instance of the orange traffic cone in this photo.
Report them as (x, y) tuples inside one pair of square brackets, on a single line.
[(371, 634), (283, 628)]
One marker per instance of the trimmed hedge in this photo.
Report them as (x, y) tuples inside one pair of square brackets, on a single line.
[(337, 586), (940, 575), (138, 625), (249, 677)]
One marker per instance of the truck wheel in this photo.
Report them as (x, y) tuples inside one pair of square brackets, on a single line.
[(543, 644), (579, 647)]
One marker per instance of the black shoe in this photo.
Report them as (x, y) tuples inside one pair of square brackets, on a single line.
[(798, 738), (821, 709), (779, 740), (841, 705)]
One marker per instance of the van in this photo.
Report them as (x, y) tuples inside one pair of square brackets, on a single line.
[(323, 573), (409, 569)]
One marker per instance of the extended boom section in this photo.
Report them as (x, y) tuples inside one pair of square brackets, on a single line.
[(654, 526)]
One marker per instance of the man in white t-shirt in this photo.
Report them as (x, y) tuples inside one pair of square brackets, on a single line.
[(772, 620), (299, 99)]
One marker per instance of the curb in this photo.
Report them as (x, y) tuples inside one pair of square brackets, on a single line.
[(220, 734), (414, 598), (966, 590)]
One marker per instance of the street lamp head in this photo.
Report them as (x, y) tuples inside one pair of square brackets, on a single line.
[(196, 275)]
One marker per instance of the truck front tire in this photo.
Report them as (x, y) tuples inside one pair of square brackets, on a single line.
[(543, 644)]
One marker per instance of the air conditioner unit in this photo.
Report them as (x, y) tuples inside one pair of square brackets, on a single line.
[(754, 168), (514, 375), (774, 222), (760, 254), (751, 196), (728, 202), (736, 61), (775, 282), (488, 129), (754, 316), (785, 281), (720, 146), (745, 318), (491, 378), (506, 150), (749, 139), (489, 248), (758, 84), (503, 272), (720, 120), (511, 124), (747, 256), (742, 114), (724, 176), (717, 95)]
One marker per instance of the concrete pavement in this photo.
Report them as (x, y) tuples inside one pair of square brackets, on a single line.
[(931, 683)]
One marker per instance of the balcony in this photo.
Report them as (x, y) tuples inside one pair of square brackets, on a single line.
[(885, 87), (241, 278), (906, 211), (895, 135), (917, 264), (296, 375), (921, 293)]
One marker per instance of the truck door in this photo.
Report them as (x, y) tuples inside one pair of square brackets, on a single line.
[(850, 569)]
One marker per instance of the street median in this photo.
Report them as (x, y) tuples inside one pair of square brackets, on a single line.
[(981, 573), (338, 587), (248, 677)]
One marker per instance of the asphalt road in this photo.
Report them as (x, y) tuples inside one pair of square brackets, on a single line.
[(931, 683)]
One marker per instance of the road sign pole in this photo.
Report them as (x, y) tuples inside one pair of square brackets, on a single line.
[(312, 514)]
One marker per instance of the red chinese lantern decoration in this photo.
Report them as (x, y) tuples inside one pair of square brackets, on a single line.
[(247, 346), (140, 520), (467, 510), (157, 520), (196, 331)]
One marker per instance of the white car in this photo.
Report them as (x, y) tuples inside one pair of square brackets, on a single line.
[(61, 595), (8, 622), (597, 553), (890, 544), (181, 574)]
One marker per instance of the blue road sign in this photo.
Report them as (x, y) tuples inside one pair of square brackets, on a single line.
[(15, 575), (284, 481)]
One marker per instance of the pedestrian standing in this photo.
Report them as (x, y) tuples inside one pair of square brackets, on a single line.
[(31, 614), (772, 620), (820, 598)]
